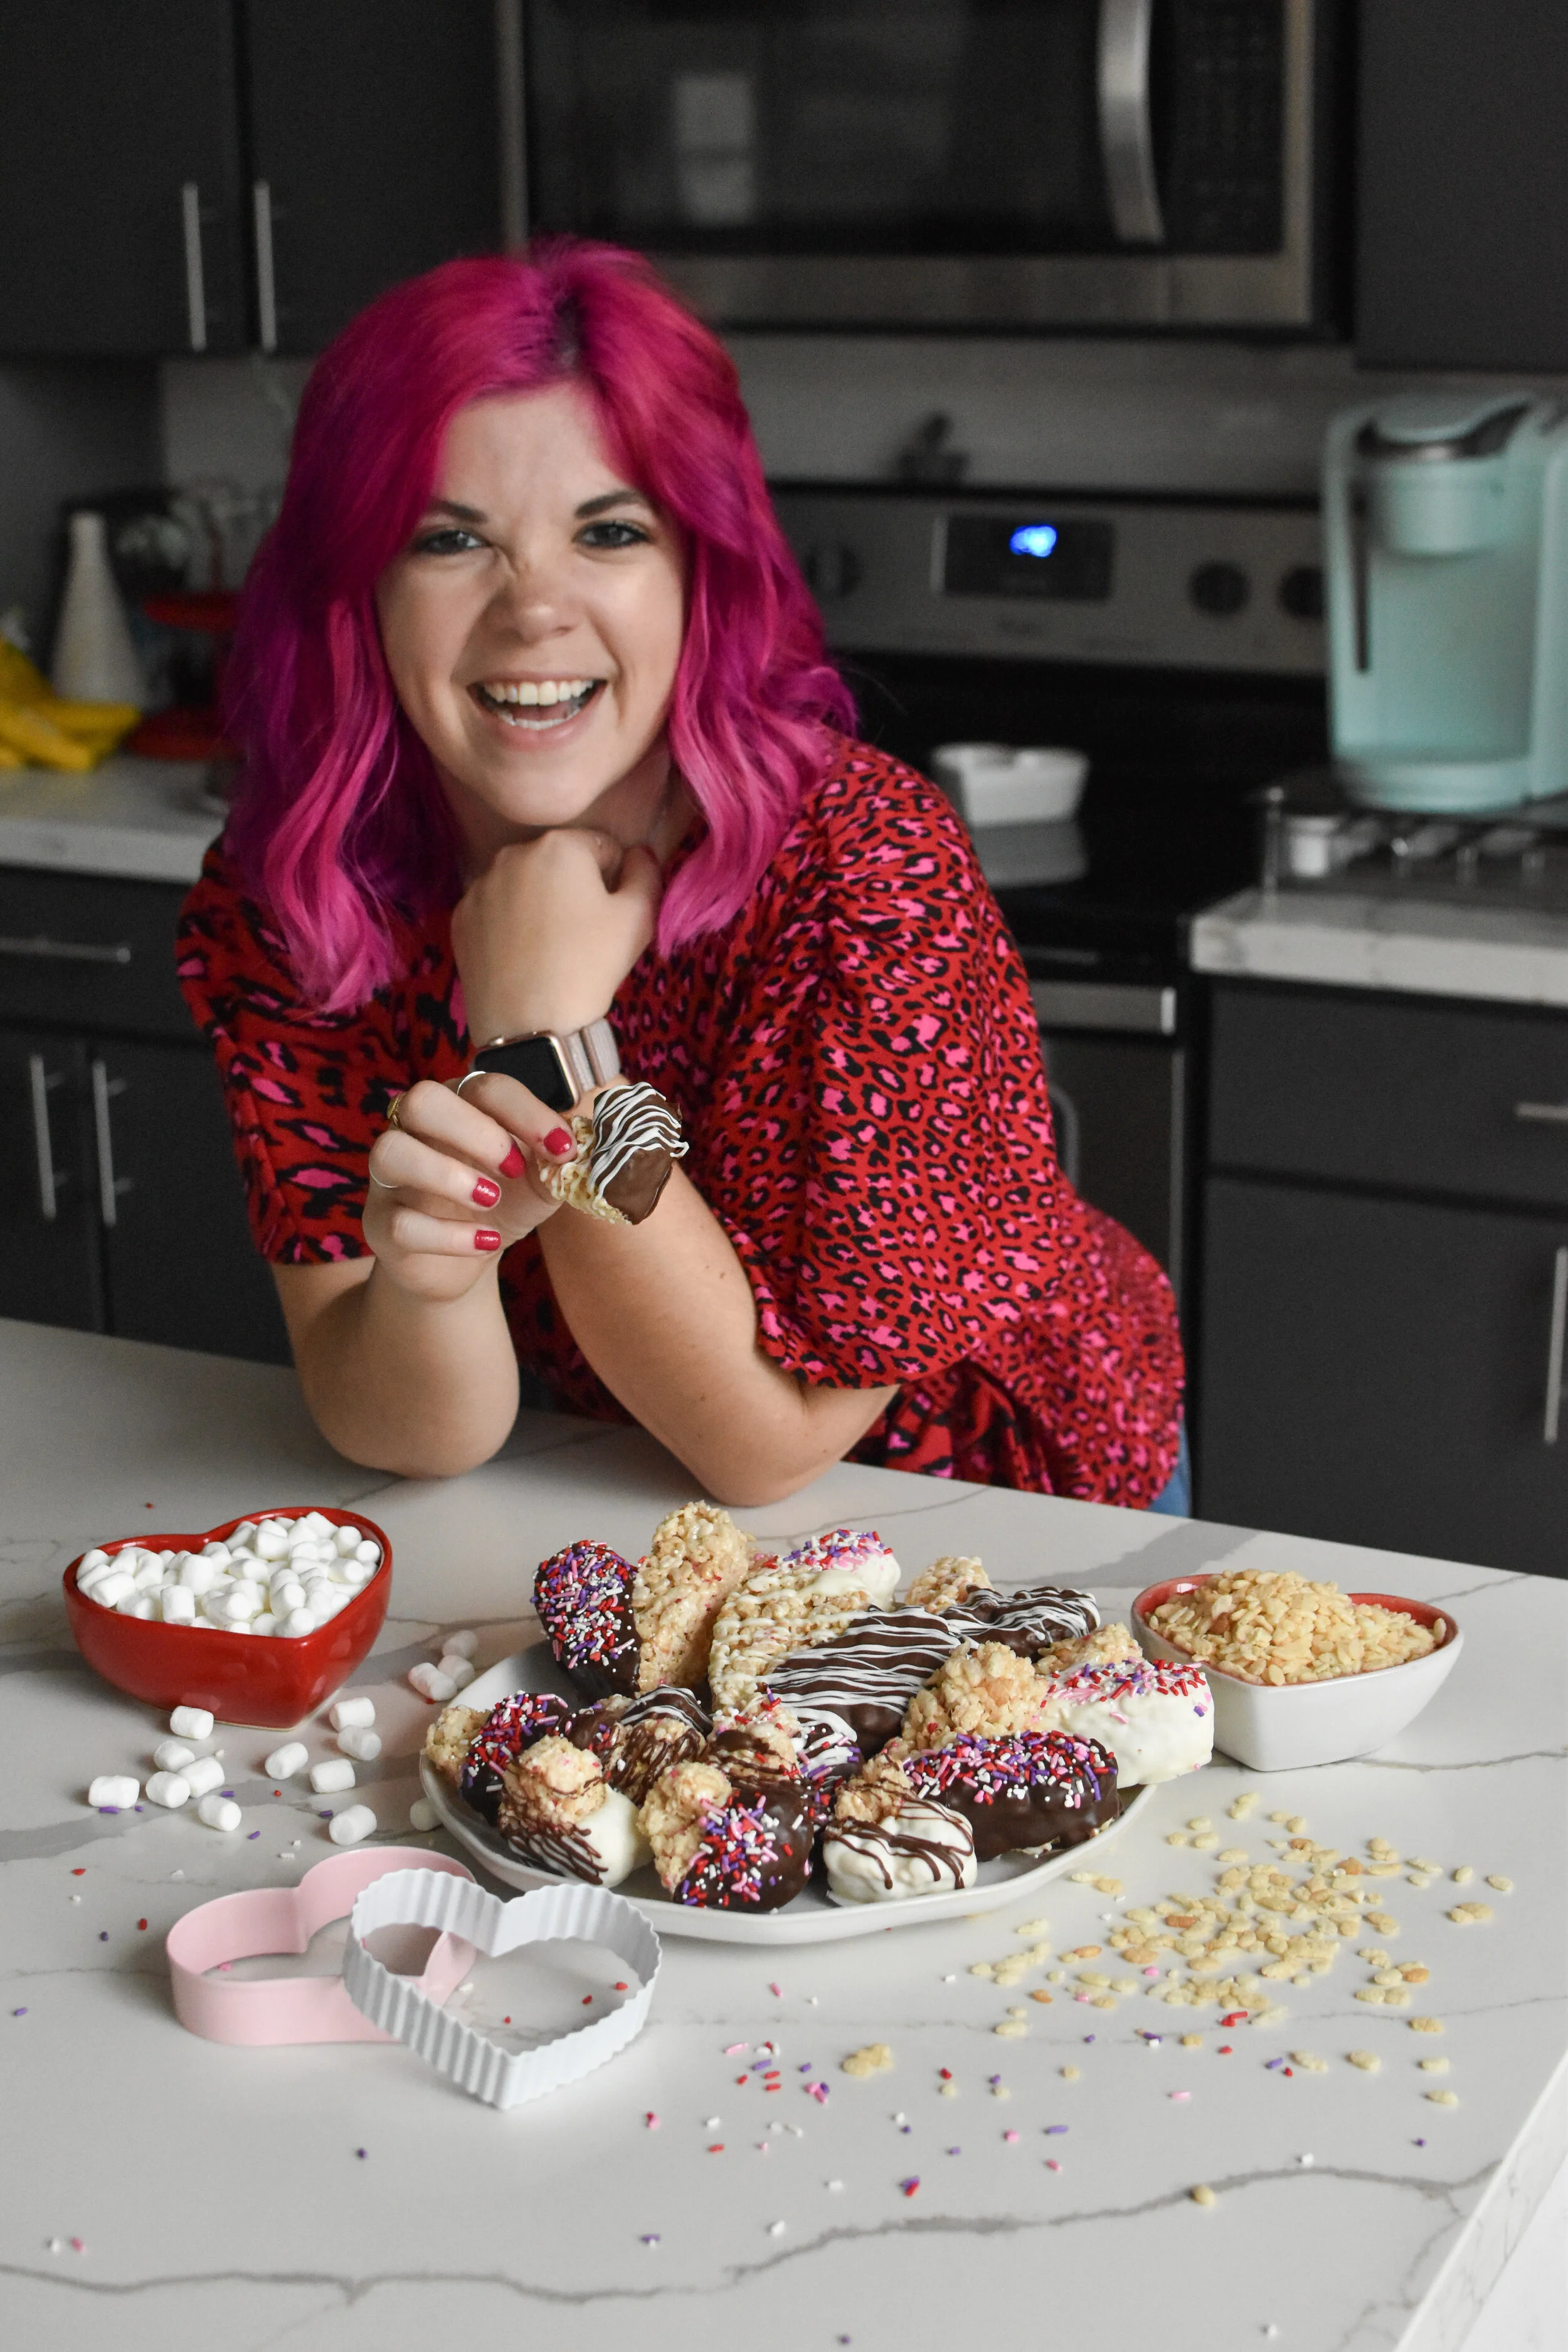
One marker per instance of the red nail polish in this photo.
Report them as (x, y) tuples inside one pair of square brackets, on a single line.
[(514, 1164), (561, 1142), (485, 1240), (486, 1194)]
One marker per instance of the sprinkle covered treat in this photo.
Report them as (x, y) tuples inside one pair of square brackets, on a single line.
[(724, 1845), (510, 1726), (1027, 1621), (1033, 1789), (584, 1597), (1155, 1717)]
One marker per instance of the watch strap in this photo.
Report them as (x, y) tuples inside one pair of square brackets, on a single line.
[(586, 1057)]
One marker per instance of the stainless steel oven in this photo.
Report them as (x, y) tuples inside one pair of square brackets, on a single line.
[(1003, 163)]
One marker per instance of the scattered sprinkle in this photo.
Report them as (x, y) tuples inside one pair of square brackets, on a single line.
[(651, 2120), (910, 2185), (1180, 2097), (1010, 2138)]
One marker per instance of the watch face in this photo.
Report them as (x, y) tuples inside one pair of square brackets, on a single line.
[(533, 1063)]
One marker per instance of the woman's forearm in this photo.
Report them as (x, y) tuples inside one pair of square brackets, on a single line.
[(426, 1388), (665, 1315)]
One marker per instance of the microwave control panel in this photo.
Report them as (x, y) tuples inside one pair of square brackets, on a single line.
[(1195, 584)]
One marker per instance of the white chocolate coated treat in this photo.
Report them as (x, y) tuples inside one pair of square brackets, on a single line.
[(922, 1849), (1156, 1716), (849, 1562)]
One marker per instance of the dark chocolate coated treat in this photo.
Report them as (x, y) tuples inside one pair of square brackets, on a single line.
[(637, 1141), (584, 1597), (1028, 1620), (664, 1728), (755, 1851), (1030, 1789), (868, 1674), (512, 1725)]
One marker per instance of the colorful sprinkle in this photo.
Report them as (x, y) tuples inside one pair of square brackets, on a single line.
[(910, 2185)]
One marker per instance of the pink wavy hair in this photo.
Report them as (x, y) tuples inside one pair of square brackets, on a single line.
[(340, 826)]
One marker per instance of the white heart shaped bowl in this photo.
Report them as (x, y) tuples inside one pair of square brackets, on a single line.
[(1274, 1728)]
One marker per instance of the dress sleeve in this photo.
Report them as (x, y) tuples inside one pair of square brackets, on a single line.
[(894, 1192), (307, 1092)]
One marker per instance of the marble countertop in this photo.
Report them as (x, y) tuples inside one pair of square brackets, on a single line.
[(1346, 939), (158, 2191), (139, 818)]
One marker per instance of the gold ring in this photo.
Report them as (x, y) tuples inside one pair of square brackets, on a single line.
[(391, 1108)]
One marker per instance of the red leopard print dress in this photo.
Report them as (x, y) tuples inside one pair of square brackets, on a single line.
[(856, 1060)]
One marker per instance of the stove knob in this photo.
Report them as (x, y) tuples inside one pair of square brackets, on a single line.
[(833, 570), (1301, 592), (1222, 589)]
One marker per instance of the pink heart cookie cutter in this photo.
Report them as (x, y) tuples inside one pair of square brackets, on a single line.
[(253, 2012)]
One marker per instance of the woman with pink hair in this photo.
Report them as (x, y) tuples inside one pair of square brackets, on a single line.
[(540, 744)]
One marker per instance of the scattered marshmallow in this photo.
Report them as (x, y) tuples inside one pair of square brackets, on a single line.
[(285, 1761), (457, 1669), (432, 1683), (349, 1827), (461, 1646), (170, 1789), (203, 1774), (364, 1746), (422, 1814), (328, 1777), (191, 1723), (173, 1755), (219, 1813), (352, 1714), (116, 1789)]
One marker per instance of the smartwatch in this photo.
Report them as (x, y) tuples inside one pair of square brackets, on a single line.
[(559, 1067)]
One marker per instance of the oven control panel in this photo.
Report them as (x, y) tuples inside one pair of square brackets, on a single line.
[(1189, 584)]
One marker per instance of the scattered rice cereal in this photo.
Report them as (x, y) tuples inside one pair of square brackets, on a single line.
[(876, 2058), (1367, 2060), (1444, 2098), (1308, 2064), (1503, 1886), (1426, 2025), (1274, 1627), (1202, 2195), (1471, 1914)]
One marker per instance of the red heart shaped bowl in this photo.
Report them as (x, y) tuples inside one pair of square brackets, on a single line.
[(273, 1679)]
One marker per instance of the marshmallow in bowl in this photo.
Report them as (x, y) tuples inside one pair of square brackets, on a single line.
[(282, 1576), (1156, 1716), (920, 1849)]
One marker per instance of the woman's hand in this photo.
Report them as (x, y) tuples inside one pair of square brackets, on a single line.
[(453, 1184), (549, 931)]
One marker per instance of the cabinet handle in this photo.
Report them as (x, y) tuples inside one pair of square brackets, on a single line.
[(266, 277), (1555, 1347), (66, 951), (1126, 130), (109, 1185), (196, 283), (1542, 1114), (41, 1083)]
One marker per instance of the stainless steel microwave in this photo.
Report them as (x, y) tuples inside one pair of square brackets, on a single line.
[(932, 164)]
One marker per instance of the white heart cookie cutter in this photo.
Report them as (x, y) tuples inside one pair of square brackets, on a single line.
[(459, 1908)]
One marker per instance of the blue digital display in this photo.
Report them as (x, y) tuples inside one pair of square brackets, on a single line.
[(1037, 539)]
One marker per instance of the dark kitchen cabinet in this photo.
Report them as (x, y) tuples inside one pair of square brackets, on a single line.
[(181, 175), (120, 1206), (120, 179), (1385, 1273), (1462, 185), (373, 151)]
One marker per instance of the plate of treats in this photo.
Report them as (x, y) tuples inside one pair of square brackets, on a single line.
[(773, 1749)]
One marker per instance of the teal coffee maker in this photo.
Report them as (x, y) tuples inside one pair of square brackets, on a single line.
[(1445, 532)]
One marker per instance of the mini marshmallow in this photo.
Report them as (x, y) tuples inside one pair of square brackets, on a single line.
[(461, 1646), (199, 1575), (432, 1683), (458, 1670), (298, 1624), (173, 1756), (116, 1789), (347, 1540), (369, 1551), (220, 1813), (335, 1773), (170, 1789), (90, 1561), (204, 1774), (191, 1723), (243, 1533), (266, 1623), (218, 1551), (422, 1814), (285, 1761), (288, 1593), (349, 1827), (364, 1746), (112, 1588), (271, 1543), (352, 1714), (179, 1605), (139, 1604), (149, 1574)]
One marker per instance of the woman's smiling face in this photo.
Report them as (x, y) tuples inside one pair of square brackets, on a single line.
[(534, 623)]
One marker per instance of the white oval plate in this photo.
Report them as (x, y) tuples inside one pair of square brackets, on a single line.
[(810, 1918)]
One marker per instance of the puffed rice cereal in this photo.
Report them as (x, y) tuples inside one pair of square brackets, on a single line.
[(1273, 1627)]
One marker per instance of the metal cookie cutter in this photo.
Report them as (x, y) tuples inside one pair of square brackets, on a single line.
[(257, 2010)]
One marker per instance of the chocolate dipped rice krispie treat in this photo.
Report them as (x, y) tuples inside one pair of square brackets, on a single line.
[(628, 1139), (619, 1625), (559, 1812)]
